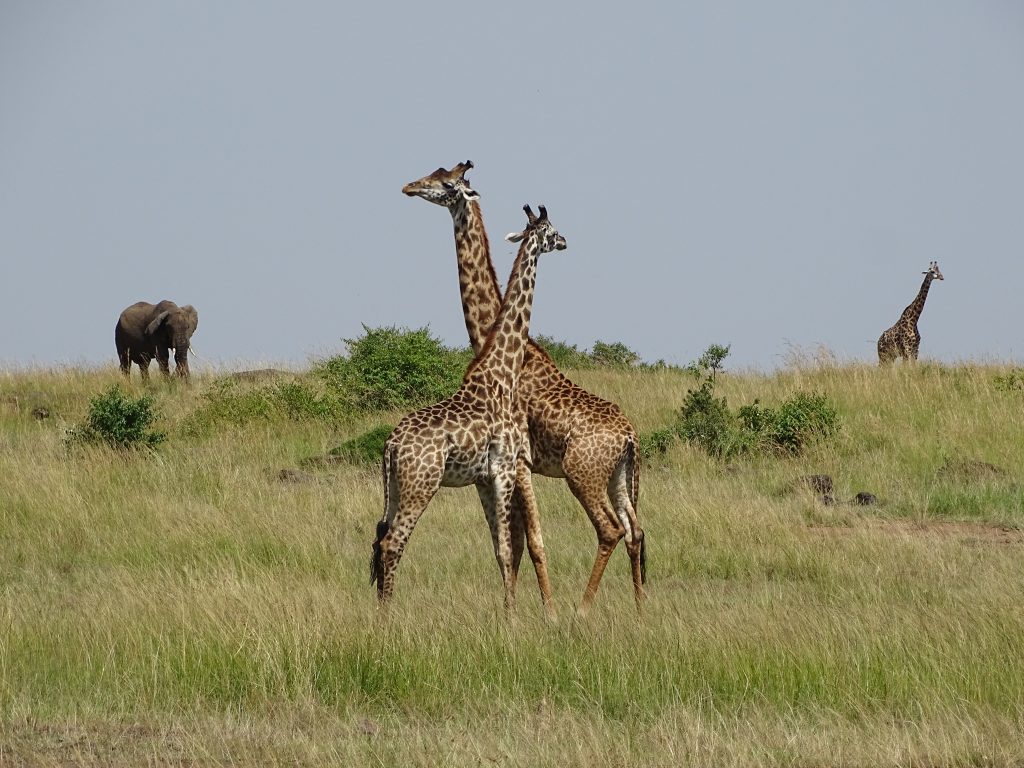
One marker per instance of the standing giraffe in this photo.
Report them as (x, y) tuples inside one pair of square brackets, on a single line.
[(903, 339), (573, 434), (478, 435)]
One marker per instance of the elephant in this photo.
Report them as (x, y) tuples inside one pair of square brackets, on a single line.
[(145, 331)]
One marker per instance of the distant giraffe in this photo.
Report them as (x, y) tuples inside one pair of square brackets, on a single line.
[(903, 339), (573, 434), (478, 435)]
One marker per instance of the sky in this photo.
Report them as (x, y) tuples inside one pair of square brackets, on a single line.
[(772, 176)]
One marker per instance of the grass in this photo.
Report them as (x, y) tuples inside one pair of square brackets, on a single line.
[(186, 607)]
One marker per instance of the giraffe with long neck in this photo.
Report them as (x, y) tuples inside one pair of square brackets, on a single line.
[(573, 434), (904, 339), (476, 436)]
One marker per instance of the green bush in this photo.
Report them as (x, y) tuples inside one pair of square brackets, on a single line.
[(119, 420), (615, 355), (391, 368), (565, 355), (1014, 380), (365, 449), (707, 421), (802, 419), (657, 442)]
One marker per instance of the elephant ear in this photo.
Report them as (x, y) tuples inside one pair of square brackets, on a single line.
[(152, 327), (193, 318)]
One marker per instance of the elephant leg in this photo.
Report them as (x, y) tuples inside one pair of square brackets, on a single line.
[(125, 360), (163, 359)]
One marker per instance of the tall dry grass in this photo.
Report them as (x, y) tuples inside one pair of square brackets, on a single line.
[(189, 607)]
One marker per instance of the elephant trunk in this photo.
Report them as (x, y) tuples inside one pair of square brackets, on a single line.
[(181, 358)]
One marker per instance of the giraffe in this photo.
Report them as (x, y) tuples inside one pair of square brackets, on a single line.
[(478, 435), (574, 434), (903, 339)]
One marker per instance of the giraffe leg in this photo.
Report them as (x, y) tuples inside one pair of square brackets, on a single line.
[(609, 531), (622, 494), (496, 497), (524, 506), (404, 502), (518, 529), (392, 539)]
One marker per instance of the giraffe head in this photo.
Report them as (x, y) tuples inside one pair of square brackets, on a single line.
[(447, 188), (539, 226), (933, 270)]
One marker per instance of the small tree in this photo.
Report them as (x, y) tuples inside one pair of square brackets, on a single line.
[(711, 360)]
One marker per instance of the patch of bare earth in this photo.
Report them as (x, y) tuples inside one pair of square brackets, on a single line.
[(968, 532)]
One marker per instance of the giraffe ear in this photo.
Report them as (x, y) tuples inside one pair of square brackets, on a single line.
[(470, 194), (515, 237)]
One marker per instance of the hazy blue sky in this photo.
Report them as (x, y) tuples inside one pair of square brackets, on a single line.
[(760, 174)]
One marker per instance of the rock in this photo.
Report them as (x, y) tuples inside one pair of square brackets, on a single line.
[(821, 485)]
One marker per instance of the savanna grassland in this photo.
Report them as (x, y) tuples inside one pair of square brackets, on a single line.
[(186, 606)]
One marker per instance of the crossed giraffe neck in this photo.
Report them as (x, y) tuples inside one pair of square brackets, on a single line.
[(477, 436), (574, 435)]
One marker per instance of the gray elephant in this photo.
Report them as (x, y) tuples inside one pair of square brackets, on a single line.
[(145, 331)]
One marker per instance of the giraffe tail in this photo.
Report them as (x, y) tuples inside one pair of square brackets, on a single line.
[(377, 558), (384, 524), (632, 461)]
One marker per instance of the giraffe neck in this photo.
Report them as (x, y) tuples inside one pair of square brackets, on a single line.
[(913, 311), (478, 284), (501, 358)]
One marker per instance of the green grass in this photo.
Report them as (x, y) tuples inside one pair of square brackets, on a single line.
[(188, 607)]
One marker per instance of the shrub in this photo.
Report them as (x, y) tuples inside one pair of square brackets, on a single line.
[(615, 355), (707, 421), (366, 448), (389, 368), (658, 441), (119, 420), (802, 419), (1014, 380), (564, 354)]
